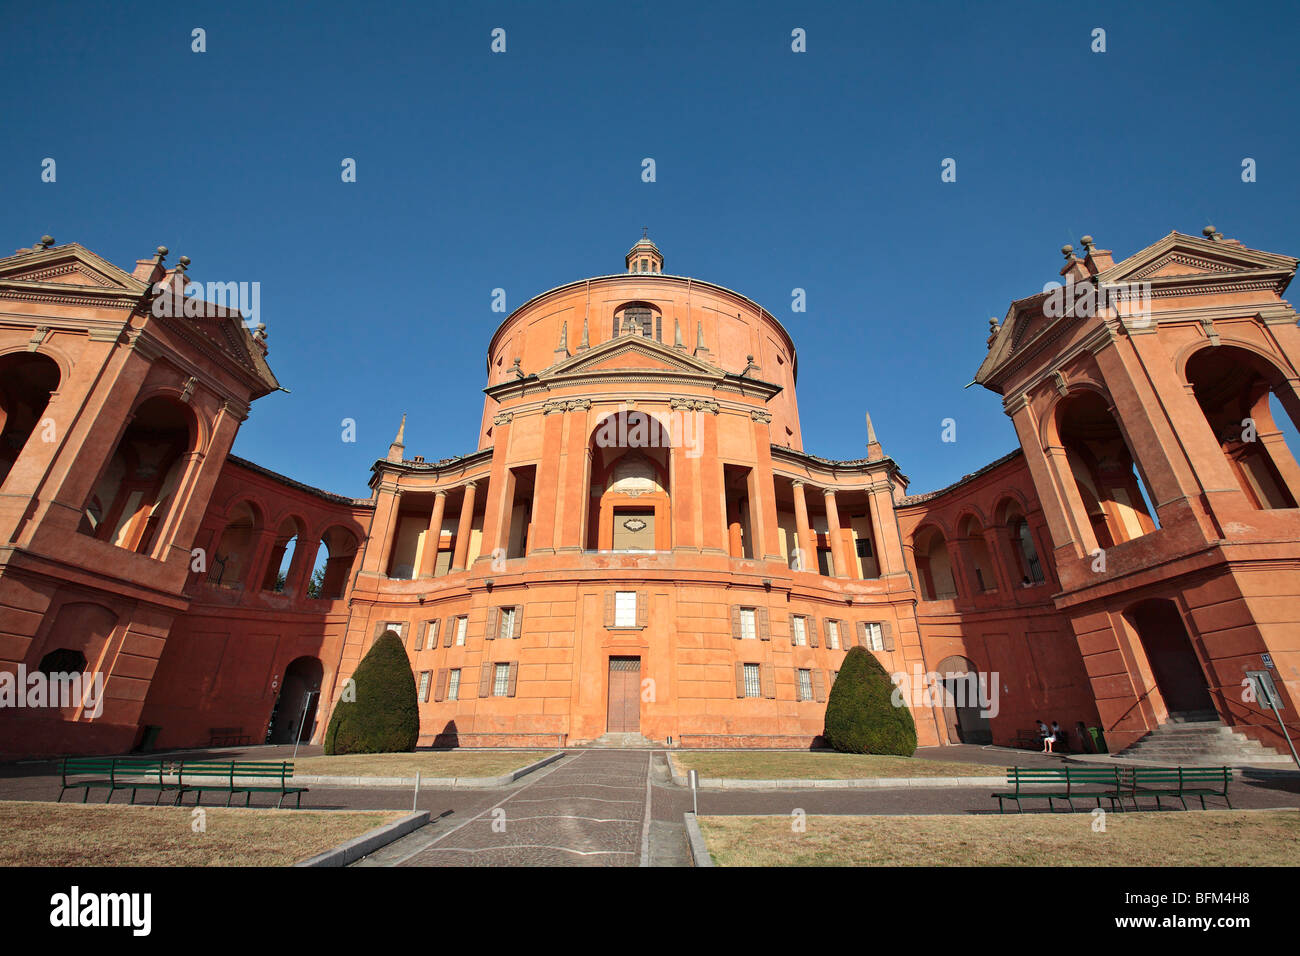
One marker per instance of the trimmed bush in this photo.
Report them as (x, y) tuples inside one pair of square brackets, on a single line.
[(384, 717), (860, 715)]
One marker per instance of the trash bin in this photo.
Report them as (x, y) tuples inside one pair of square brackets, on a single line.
[(1098, 741)]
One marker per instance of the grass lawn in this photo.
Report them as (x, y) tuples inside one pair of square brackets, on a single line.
[(800, 765), (51, 834), (1176, 838), (429, 763)]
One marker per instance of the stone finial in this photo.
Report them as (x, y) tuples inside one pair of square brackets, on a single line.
[(1067, 250), (162, 252), (586, 342), (45, 243), (399, 443), (1209, 232), (874, 449), (183, 264), (1087, 244)]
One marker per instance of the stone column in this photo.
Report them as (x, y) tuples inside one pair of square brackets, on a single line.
[(763, 491), (463, 528), (807, 546), (429, 559), (843, 567), (714, 497), (390, 532), (736, 546)]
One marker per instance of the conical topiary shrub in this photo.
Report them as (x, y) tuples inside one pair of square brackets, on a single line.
[(860, 715), (383, 716)]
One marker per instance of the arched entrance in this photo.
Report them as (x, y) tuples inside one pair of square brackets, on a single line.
[(1169, 652), (301, 677), (961, 701)]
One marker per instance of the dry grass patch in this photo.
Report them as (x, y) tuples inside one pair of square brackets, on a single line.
[(799, 765), (1175, 838), (429, 764), (51, 834)]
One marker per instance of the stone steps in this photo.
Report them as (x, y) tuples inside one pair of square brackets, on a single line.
[(1189, 739), (622, 742)]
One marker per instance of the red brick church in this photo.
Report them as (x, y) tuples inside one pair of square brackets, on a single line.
[(640, 544)]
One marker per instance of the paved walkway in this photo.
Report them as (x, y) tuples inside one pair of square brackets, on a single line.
[(592, 808), (619, 808)]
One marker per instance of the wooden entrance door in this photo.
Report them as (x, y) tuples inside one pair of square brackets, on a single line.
[(624, 695)]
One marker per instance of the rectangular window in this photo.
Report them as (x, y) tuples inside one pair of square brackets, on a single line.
[(501, 683), (424, 685), (864, 547), (833, 635), (753, 685), (875, 640), (507, 629), (805, 684), (748, 629), (453, 685), (431, 640), (800, 626), (462, 625), (397, 627), (625, 609)]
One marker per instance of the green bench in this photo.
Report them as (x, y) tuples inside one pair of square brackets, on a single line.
[(238, 776), (1179, 782), (116, 773), (179, 777), (1069, 783)]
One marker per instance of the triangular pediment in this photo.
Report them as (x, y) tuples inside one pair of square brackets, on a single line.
[(69, 265), (630, 354), (1179, 259)]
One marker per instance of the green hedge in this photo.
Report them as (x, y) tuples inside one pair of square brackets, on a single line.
[(860, 715), (383, 716)]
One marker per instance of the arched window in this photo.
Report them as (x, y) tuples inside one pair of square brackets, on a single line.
[(933, 565), (1115, 501), (282, 555), (26, 383), (329, 578), (133, 495), (229, 563), (1237, 391), (639, 318), (981, 561)]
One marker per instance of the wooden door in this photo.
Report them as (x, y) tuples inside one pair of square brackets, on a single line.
[(624, 715)]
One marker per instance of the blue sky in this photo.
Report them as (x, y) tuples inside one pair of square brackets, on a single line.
[(522, 170)]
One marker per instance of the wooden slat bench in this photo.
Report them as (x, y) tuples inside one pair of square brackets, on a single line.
[(1029, 740), (233, 776), (1179, 782), (116, 773), (1068, 784)]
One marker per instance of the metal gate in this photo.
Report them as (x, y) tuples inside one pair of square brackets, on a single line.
[(624, 695)]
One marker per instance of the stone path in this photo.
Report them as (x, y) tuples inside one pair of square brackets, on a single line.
[(592, 808)]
